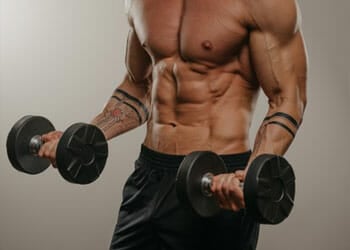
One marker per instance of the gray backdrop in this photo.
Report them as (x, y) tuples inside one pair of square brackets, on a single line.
[(63, 58)]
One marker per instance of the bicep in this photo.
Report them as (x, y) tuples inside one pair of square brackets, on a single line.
[(281, 67), (278, 53), (137, 60), (278, 65), (139, 68)]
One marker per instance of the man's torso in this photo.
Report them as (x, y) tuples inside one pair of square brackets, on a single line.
[(203, 85)]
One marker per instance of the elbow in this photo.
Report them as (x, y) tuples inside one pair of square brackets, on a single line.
[(299, 108), (304, 103), (302, 99)]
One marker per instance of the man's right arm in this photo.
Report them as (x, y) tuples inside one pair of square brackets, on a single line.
[(129, 106)]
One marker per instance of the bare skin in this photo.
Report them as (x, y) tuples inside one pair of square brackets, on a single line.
[(197, 67)]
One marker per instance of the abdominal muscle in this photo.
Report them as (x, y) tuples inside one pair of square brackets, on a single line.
[(197, 106)]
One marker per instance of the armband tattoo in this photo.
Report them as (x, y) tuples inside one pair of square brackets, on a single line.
[(283, 126), (283, 115), (134, 99)]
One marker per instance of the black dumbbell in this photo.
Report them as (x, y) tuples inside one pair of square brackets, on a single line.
[(269, 186), (81, 153)]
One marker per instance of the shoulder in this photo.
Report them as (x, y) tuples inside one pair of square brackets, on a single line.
[(276, 16)]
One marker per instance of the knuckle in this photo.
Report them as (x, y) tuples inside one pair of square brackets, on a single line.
[(57, 135)]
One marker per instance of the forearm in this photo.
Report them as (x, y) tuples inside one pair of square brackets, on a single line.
[(279, 128), (126, 109)]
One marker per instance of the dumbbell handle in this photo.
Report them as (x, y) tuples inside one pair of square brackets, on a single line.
[(35, 144), (207, 181)]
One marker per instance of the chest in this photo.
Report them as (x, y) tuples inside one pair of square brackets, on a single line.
[(197, 30)]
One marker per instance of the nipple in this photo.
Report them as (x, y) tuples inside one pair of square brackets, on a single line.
[(207, 45)]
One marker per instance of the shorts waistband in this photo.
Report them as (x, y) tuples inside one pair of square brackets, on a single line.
[(154, 159)]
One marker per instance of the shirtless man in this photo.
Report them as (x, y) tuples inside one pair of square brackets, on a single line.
[(195, 68)]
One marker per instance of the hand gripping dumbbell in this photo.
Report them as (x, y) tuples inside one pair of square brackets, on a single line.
[(81, 153), (268, 189)]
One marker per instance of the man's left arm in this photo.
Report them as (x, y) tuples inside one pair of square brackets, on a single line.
[(278, 57), (279, 60)]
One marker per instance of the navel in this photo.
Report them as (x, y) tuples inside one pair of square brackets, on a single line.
[(207, 45)]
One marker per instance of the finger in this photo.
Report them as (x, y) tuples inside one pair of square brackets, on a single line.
[(216, 189), (48, 150), (52, 152), (47, 137), (57, 134), (223, 190), (51, 136), (237, 194), (234, 193), (43, 150), (227, 186), (230, 190)]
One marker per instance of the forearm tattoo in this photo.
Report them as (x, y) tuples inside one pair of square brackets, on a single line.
[(283, 126), (285, 116), (122, 113), (136, 101)]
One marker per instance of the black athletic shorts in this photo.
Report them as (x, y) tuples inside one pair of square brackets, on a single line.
[(151, 218)]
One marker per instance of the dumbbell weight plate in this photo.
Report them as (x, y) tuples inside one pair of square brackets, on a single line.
[(18, 150), (269, 189), (189, 179), (81, 153)]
